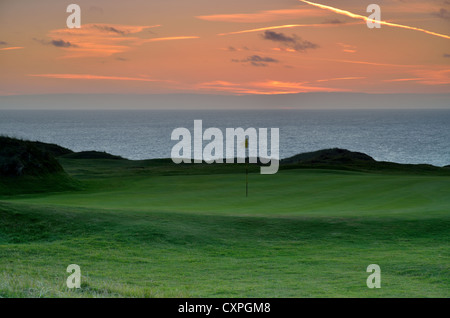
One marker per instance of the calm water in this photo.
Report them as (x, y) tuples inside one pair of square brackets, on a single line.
[(405, 136)]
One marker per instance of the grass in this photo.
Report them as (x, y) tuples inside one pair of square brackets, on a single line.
[(154, 229)]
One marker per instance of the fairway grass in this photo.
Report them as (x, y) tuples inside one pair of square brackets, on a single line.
[(154, 232)]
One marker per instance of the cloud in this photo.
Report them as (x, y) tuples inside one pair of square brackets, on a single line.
[(57, 43), (235, 49), (446, 55), (287, 26), (278, 37), (426, 77), (102, 40), (3, 43), (171, 38), (107, 28), (269, 87), (257, 60), (341, 79), (334, 21), (443, 14), (12, 48), (61, 43), (368, 63), (347, 48), (413, 79), (293, 41), (263, 16), (433, 76), (97, 77)]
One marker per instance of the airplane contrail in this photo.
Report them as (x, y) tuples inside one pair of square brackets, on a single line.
[(358, 16), (281, 27), (170, 38)]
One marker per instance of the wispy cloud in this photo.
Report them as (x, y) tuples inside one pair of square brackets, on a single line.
[(98, 40), (103, 40), (269, 87), (294, 42), (286, 26), (334, 21), (263, 16), (434, 76), (97, 77), (404, 79), (341, 79), (370, 63), (61, 43), (108, 28), (256, 60), (12, 48), (235, 49), (443, 14), (426, 77), (171, 38), (57, 43), (347, 48), (362, 17)]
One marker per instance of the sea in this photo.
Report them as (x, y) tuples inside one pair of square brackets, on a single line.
[(403, 136)]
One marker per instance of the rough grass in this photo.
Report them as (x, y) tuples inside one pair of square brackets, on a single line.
[(128, 254)]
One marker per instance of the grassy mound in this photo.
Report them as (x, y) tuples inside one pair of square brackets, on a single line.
[(92, 155), (23, 158), (30, 167), (54, 150), (329, 156), (342, 159)]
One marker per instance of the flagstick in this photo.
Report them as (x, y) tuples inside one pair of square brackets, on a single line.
[(246, 179), (246, 168)]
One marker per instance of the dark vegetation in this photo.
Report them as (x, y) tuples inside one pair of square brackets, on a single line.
[(25, 158), (54, 150), (329, 156), (91, 155), (32, 166), (342, 159)]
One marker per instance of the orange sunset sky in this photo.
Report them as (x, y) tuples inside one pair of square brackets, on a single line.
[(224, 47)]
